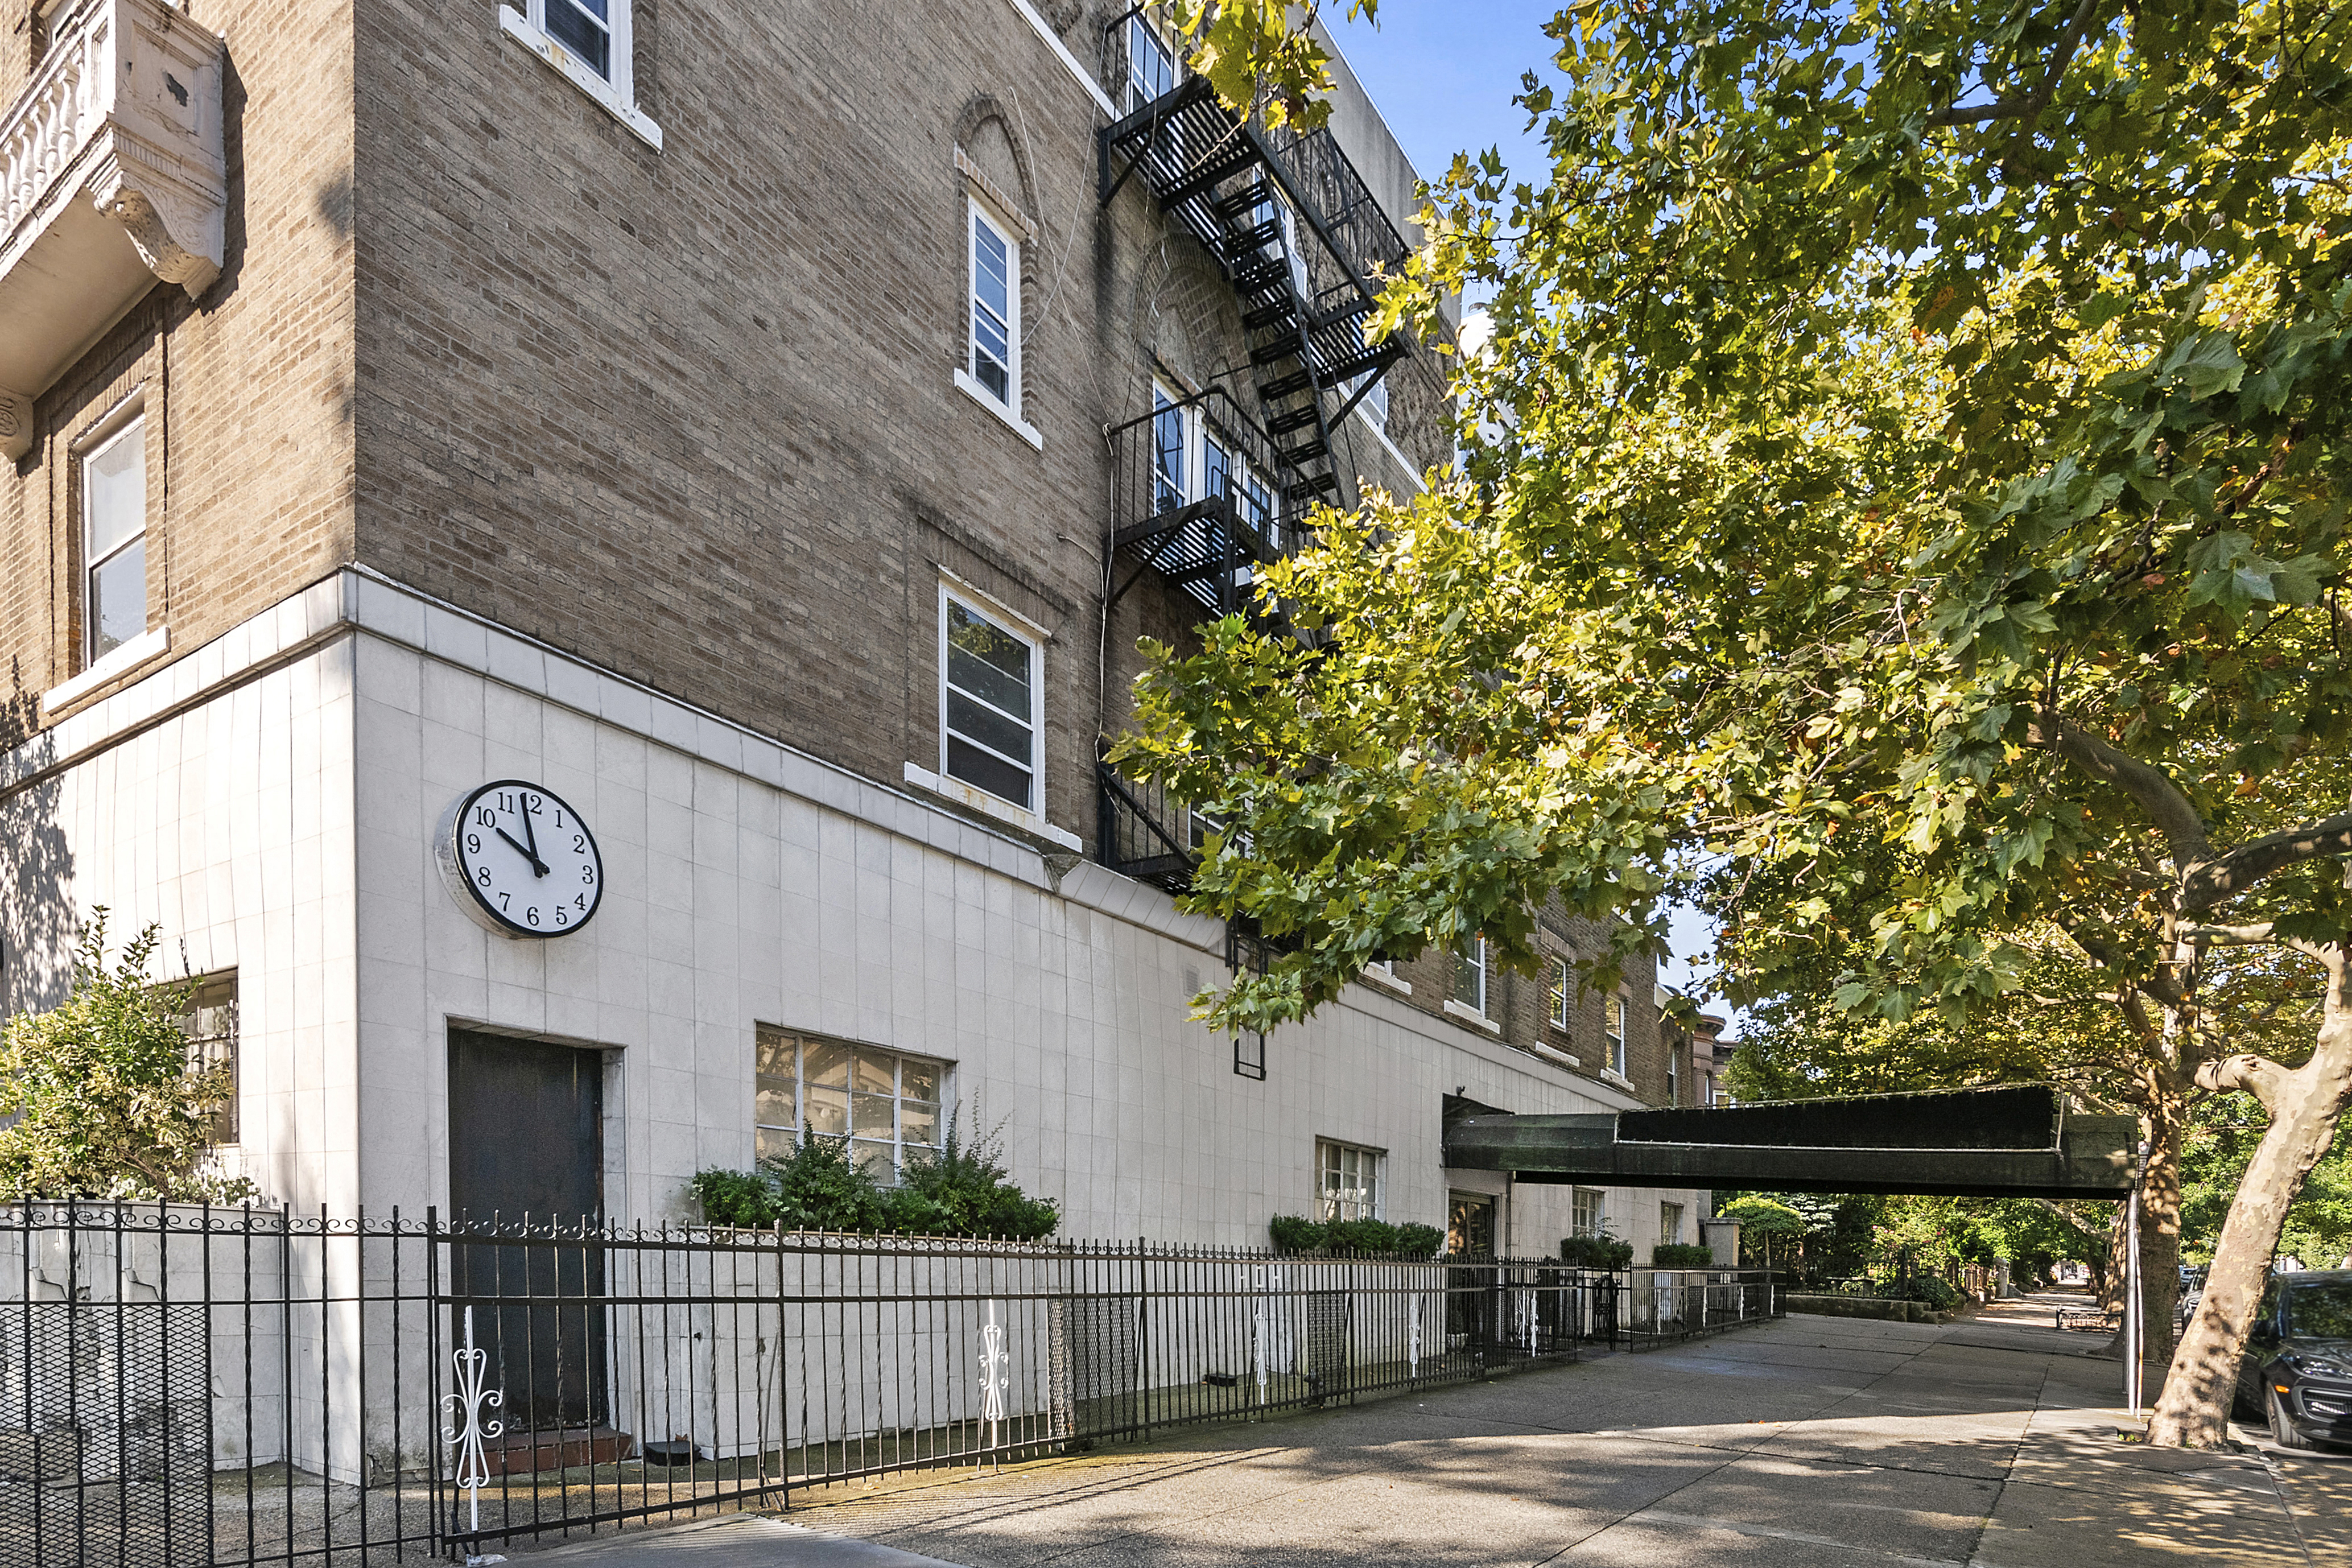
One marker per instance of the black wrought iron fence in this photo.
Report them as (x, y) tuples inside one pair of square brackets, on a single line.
[(194, 1386)]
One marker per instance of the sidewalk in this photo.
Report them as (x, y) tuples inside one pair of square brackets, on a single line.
[(1811, 1441)]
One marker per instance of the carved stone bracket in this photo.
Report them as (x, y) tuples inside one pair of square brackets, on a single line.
[(16, 424), (178, 238)]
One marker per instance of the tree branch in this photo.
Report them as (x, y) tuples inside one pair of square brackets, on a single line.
[(2230, 936), (2226, 876), (2255, 1075), (2183, 829), (2059, 58)]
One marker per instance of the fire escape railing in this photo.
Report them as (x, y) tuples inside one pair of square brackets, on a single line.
[(1296, 230), (1143, 833), (1203, 496)]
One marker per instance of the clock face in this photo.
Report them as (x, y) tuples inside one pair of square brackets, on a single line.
[(520, 861)]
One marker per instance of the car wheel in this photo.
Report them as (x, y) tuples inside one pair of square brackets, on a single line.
[(2282, 1431)]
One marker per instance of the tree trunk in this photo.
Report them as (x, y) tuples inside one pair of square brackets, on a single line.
[(2159, 1229), (2193, 1412)]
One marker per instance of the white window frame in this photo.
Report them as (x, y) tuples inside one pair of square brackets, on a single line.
[(1670, 1234), (1329, 1154), (1673, 1078), (942, 1108), (1478, 966), (1615, 1017), (1597, 1208), (616, 93), (1131, 91), (1029, 637), (1558, 998), (1006, 408), (117, 424)]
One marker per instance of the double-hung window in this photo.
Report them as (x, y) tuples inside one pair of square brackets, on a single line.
[(988, 703), (210, 1023), (887, 1105), (995, 355), (1556, 994), (1613, 1030), (585, 27), (1470, 974), (1670, 1224), (114, 537), (1347, 1180), (1150, 63)]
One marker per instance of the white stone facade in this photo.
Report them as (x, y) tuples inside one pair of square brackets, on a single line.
[(271, 802)]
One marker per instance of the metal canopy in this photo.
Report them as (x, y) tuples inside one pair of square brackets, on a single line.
[(2020, 1143)]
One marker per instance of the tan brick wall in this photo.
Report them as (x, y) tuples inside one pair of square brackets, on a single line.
[(248, 389)]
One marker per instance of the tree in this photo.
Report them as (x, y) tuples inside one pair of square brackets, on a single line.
[(1904, 510), (109, 1103), (1761, 1221)]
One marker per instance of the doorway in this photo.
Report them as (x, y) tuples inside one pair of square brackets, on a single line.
[(527, 1145), (1470, 1292)]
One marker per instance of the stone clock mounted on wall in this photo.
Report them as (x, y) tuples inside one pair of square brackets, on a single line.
[(520, 860)]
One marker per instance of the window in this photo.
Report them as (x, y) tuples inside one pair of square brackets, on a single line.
[(1171, 439), (1673, 1078), (1348, 1180), (591, 42), (1558, 993), (887, 1105), (585, 27), (1670, 1224), (988, 704), (1150, 63), (210, 1023), (1614, 1031), (115, 537), (1592, 1213), (995, 310), (1374, 406), (1470, 974)]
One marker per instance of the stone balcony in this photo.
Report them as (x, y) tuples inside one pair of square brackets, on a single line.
[(112, 177)]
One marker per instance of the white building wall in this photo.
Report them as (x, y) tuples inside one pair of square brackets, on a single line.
[(285, 825)]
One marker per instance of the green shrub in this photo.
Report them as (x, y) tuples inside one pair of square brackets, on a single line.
[(961, 1190), (1596, 1252), (1364, 1237), (1416, 1241), (1293, 1234), (1681, 1254)]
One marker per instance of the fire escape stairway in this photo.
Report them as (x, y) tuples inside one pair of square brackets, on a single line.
[(1293, 227)]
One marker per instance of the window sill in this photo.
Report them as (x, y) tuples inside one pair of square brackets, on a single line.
[(516, 26), (138, 650), (987, 805), (1472, 1015), (988, 400), (1557, 1055), (1382, 978), (1620, 1079)]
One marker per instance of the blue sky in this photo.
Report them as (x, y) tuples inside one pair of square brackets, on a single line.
[(1443, 76)]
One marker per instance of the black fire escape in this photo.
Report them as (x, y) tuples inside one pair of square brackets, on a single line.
[(1203, 493)]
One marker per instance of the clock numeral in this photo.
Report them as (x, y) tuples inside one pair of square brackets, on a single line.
[(559, 816), (531, 914), (533, 802), (482, 875), (588, 873), (473, 844), (506, 901), (580, 844), (485, 817), (561, 917), (580, 900), (505, 803)]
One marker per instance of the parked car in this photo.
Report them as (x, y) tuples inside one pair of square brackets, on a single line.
[(2297, 1370)]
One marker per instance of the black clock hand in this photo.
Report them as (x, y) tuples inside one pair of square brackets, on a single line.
[(539, 867), (533, 834)]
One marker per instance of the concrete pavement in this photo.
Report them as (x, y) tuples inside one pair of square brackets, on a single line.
[(1809, 1441)]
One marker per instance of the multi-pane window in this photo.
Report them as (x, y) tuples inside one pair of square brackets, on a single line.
[(988, 704), (1470, 974), (210, 1023), (887, 1105), (1170, 439), (1150, 63), (1614, 1031), (1592, 1212), (995, 308), (114, 539), (1347, 1180), (585, 27), (1558, 992), (1670, 1224)]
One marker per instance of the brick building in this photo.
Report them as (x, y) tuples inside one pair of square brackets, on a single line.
[(756, 445)]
